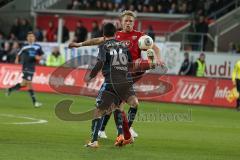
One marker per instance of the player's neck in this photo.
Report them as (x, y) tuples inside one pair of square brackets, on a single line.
[(127, 31), (31, 43)]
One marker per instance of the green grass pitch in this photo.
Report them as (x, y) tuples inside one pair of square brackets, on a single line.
[(205, 133)]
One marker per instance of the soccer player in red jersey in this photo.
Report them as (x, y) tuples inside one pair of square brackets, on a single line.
[(130, 37)]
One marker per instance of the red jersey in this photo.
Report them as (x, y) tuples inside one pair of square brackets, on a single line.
[(131, 40)]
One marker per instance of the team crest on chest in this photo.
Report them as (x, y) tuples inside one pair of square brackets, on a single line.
[(134, 37)]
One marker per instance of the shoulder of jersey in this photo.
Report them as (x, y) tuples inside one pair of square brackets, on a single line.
[(138, 32), (35, 44), (24, 44), (118, 32)]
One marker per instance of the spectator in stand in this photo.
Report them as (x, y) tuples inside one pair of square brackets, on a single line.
[(183, 9), (51, 35), (87, 6), (193, 37), (132, 8), (65, 32), (95, 30), (110, 6), (98, 5), (12, 37), (200, 12), (24, 28), (145, 9), (200, 66), (81, 4), (159, 9), (75, 5), (80, 32), (168, 5), (15, 28), (151, 9), (4, 52), (173, 9), (116, 7), (139, 8), (39, 34), (187, 66), (13, 52), (55, 59), (233, 48), (104, 6), (122, 8), (150, 32), (202, 28)]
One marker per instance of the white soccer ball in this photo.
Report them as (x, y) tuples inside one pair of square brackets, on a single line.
[(145, 42)]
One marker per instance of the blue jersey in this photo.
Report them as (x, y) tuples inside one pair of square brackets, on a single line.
[(27, 54)]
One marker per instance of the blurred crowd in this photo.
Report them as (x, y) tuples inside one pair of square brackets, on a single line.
[(21, 27), (206, 7)]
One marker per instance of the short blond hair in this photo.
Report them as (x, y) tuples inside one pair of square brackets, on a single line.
[(128, 13)]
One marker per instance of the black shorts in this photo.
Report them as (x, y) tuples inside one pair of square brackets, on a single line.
[(27, 75), (109, 94)]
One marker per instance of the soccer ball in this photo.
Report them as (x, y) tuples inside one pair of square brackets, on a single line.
[(145, 42)]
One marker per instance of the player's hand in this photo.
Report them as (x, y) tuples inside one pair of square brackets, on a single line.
[(74, 45), (16, 62), (160, 63)]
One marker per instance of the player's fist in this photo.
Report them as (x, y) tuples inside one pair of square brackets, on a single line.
[(150, 54)]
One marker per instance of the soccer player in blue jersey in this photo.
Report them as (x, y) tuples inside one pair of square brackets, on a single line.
[(29, 54)]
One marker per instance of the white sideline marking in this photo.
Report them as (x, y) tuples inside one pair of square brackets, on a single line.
[(35, 121)]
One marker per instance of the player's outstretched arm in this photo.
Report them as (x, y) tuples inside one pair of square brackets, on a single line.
[(157, 54), (90, 42)]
